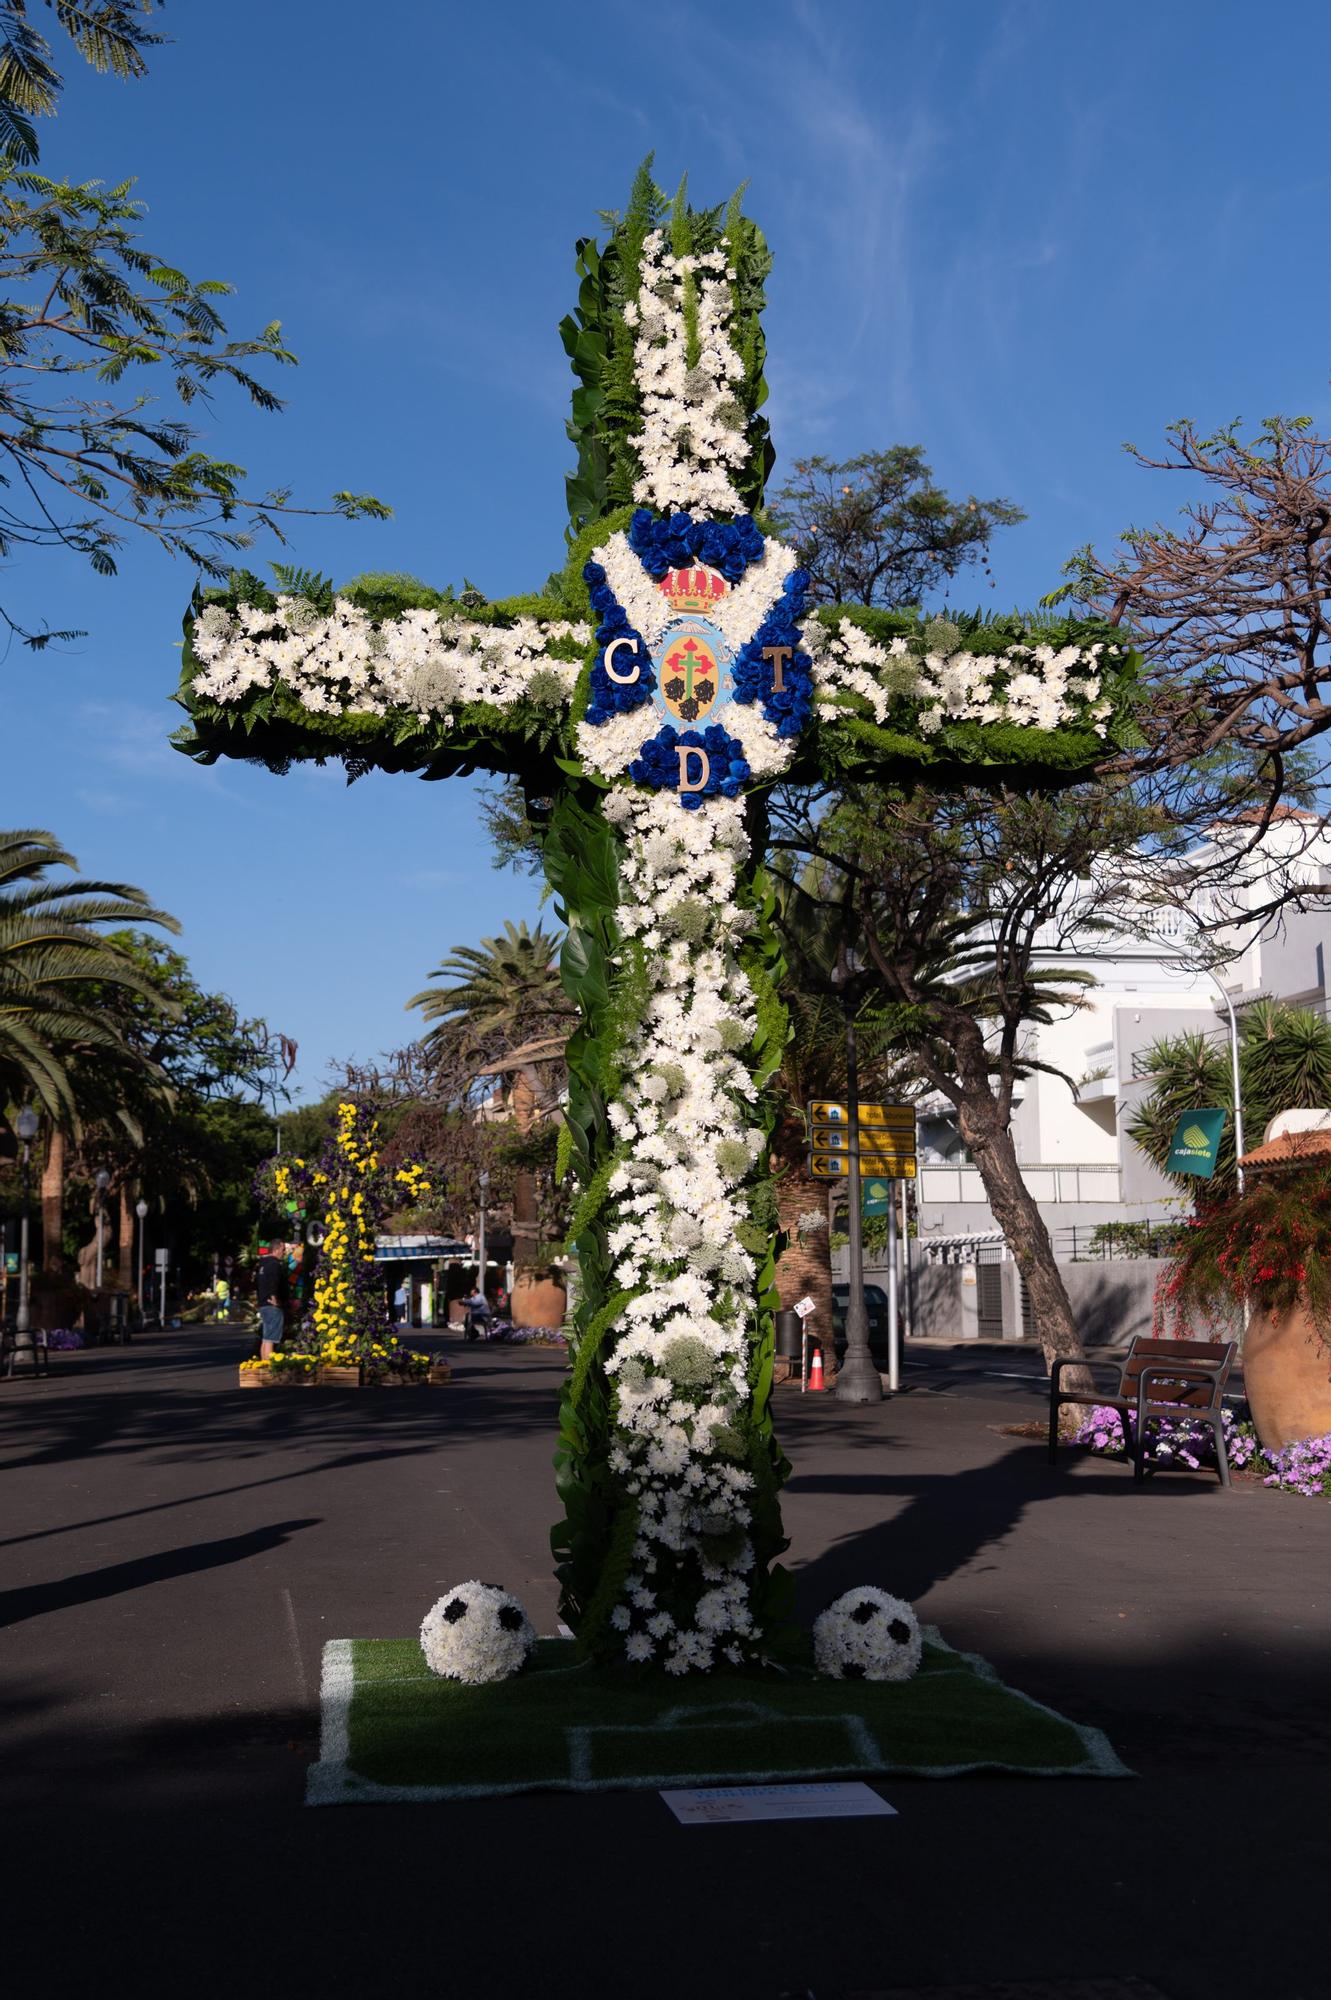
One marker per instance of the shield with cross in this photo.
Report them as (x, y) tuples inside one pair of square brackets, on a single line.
[(648, 698)]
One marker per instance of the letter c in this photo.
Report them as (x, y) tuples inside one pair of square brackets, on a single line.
[(608, 662)]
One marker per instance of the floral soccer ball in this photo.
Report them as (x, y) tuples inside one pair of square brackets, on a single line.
[(476, 1632), (867, 1635)]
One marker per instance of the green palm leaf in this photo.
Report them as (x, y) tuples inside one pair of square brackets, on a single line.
[(52, 952)]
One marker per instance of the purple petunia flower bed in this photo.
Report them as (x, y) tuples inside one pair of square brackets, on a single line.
[(509, 1335), (1303, 1468)]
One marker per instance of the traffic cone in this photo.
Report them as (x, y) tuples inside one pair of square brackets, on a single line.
[(816, 1370)]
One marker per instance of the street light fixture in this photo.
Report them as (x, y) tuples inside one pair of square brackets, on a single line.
[(858, 1380), (26, 1126), (102, 1181), (483, 1180), (141, 1210)]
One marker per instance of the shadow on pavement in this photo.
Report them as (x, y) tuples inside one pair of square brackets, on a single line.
[(110, 1579)]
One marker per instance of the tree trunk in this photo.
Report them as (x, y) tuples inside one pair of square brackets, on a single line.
[(805, 1265), (1017, 1215), (53, 1204), (526, 1213)]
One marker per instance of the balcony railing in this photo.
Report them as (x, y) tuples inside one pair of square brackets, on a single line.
[(1045, 1183)]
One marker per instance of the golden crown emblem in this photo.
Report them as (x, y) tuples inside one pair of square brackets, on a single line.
[(693, 589)]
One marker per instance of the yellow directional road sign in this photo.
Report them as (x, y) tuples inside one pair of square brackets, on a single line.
[(886, 1166), (829, 1111), (874, 1140)]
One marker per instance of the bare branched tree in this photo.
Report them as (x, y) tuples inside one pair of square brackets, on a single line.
[(1231, 608)]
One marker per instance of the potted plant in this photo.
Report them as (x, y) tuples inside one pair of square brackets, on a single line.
[(540, 1297), (1271, 1247)]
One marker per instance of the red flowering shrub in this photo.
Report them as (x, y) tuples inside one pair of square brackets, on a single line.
[(1271, 1245)]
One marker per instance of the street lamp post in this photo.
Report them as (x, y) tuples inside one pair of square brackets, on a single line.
[(483, 1180), (1236, 1080), (26, 1125), (103, 1181), (141, 1210), (858, 1380)]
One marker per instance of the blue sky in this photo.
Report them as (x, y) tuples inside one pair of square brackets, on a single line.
[(1017, 234)]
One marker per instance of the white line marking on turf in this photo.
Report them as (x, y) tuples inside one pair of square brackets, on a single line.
[(731, 1715), (329, 1780)]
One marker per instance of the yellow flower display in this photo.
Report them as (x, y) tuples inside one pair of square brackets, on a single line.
[(348, 1310)]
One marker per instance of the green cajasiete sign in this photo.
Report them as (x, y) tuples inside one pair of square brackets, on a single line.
[(1196, 1142)]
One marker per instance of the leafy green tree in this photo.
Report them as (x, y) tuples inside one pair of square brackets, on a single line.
[(184, 1120), (111, 35), (1284, 1065), (85, 308), (876, 529), (307, 1128), (959, 904), (198, 1041), (512, 826)]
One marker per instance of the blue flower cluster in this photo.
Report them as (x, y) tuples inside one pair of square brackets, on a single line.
[(752, 676), (674, 541), (658, 765), (610, 697)]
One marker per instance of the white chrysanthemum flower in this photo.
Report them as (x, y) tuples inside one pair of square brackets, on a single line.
[(476, 1632), (867, 1635)]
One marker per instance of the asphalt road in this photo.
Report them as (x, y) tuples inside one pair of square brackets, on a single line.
[(174, 1551)]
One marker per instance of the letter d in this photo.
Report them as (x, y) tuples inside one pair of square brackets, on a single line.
[(687, 784)]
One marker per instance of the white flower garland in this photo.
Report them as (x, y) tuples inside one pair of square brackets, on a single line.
[(693, 433), (679, 1367), (426, 662), (1045, 687)]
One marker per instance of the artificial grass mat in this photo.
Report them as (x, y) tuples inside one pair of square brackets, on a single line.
[(394, 1732)]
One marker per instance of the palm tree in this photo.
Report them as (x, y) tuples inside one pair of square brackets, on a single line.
[(505, 1000), (51, 943), (507, 990), (1284, 1065)]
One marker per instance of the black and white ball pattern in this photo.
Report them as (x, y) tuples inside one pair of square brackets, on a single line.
[(476, 1632), (867, 1635)]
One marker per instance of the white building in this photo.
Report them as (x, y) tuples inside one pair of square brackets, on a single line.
[(1076, 1156)]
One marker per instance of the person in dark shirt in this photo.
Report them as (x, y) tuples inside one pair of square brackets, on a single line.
[(273, 1293)]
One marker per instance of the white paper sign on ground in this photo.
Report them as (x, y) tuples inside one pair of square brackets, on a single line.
[(725, 1805)]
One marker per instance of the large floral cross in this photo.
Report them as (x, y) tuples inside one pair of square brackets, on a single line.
[(648, 699)]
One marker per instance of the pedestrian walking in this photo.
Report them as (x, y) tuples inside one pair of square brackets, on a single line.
[(272, 1290)]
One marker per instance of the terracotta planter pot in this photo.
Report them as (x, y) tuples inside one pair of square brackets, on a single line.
[(537, 1300), (1287, 1375)]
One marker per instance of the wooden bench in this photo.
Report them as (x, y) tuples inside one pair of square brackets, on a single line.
[(1157, 1378)]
